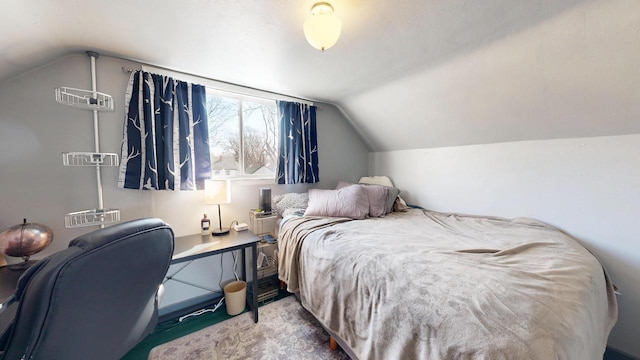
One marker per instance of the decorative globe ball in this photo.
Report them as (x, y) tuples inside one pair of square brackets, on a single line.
[(25, 239)]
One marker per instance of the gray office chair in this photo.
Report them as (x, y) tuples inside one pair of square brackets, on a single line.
[(94, 300)]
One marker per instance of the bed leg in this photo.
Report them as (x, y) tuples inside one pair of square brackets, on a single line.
[(282, 285), (333, 344)]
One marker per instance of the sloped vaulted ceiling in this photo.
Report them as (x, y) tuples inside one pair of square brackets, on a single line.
[(407, 74)]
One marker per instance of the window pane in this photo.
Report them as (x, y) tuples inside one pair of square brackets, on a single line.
[(260, 135), (224, 132)]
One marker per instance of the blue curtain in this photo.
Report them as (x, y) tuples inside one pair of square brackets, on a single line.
[(298, 160), (165, 145)]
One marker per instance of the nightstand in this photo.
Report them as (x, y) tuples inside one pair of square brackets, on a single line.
[(268, 271), (262, 223)]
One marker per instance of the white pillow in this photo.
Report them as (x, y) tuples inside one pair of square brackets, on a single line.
[(351, 202), (376, 180), (287, 201)]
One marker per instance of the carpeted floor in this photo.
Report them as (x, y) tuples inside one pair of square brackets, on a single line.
[(284, 331)]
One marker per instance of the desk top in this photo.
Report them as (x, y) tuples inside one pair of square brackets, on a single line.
[(196, 246), (9, 276)]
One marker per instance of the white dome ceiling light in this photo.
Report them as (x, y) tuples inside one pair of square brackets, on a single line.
[(322, 28)]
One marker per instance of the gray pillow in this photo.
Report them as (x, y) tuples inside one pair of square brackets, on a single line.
[(391, 198)]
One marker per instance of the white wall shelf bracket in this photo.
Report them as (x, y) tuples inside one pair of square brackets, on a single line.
[(84, 99), (91, 217), (89, 159)]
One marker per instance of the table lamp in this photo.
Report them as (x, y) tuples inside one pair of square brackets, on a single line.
[(217, 192)]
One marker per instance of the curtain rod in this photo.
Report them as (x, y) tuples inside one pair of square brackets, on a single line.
[(130, 70)]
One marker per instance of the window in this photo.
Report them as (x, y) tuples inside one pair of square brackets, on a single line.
[(243, 135)]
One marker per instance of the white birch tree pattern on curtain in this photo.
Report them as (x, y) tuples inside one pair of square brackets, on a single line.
[(165, 144), (298, 158)]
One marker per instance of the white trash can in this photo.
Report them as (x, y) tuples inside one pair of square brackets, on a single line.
[(235, 296)]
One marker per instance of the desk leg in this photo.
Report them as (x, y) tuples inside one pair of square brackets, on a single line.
[(254, 267), (253, 302), (243, 264)]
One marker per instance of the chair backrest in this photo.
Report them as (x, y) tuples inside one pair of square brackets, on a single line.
[(97, 298)]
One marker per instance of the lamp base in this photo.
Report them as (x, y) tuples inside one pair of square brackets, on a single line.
[(219, 232)]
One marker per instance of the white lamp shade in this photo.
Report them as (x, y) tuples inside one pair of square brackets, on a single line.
[(217, 191), (323, 28)]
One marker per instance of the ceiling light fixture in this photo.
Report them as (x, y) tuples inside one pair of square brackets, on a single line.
[(322, 28)]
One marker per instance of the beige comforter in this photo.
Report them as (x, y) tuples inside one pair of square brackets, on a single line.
[(426, 285)]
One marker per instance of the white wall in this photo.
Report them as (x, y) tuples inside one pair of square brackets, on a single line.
[(574, 74), (35, 130), (570, 75), (589, 187)]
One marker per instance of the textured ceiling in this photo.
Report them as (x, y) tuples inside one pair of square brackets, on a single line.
[(260, 43)]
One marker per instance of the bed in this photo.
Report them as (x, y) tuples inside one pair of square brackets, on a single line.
[(426, 285)]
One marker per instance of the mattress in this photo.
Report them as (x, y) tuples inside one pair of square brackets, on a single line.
[(428, 285)]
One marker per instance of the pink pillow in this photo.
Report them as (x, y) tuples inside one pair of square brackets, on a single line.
[(377, 195), (351, 202)]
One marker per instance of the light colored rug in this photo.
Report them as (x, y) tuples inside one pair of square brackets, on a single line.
[(284, 331)]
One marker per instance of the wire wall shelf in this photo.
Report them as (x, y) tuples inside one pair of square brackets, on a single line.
[(84, 99), (91, 217), (94, 101), (89, 159)]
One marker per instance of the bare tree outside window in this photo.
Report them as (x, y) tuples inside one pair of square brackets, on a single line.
[(259, 135), (224, 126), (223, 116)]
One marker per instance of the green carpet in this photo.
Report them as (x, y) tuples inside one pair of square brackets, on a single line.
[(172, 330)]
